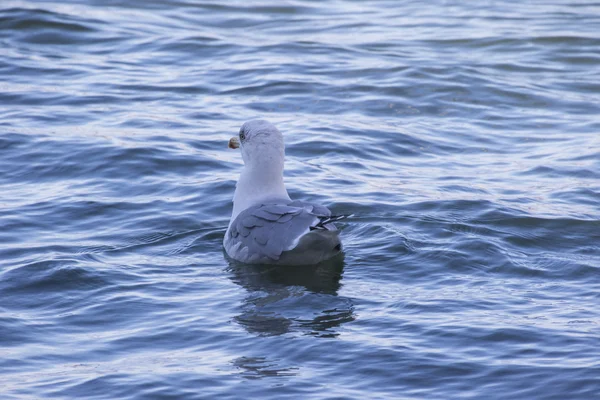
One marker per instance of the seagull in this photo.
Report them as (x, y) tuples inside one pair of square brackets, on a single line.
[(266, 226)]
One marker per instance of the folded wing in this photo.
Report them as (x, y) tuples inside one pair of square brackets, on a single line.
[(293, 233)]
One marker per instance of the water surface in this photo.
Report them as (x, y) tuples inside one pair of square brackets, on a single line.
[(463, 137)]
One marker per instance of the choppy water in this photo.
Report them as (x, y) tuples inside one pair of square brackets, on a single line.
[(463, 136)]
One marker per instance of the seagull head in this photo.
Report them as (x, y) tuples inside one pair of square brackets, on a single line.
[(260, 142)]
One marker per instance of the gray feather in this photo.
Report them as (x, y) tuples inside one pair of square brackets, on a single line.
[(265, 232), (286, 217), (260, 213), (321, 211), (277, 209), (261, 235), (251, 221), (243, 230)]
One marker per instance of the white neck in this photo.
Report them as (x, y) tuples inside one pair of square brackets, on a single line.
[(259, 182)]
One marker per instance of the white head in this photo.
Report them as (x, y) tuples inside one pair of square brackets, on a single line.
[(263, 153), (260, 142)]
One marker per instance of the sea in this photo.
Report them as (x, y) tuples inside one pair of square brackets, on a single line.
[(462, 138)]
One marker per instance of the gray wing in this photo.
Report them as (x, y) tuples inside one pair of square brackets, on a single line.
[(262, 233)]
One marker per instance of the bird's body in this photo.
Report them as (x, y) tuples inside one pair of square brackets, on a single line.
[(266, 226)]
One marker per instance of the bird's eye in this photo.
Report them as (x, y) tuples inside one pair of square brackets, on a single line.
[(242, 136)]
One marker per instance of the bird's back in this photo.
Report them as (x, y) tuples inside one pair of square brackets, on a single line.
[(295, 233)]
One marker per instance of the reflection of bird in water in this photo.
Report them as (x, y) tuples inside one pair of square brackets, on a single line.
[(283, 299), (260, 367), (320, 278)]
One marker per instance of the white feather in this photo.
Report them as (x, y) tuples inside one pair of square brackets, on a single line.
[(261, 179)]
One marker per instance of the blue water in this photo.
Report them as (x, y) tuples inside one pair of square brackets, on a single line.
[(464, 137)]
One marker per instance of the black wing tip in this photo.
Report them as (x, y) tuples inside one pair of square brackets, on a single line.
[(335, 218), (329, 220)]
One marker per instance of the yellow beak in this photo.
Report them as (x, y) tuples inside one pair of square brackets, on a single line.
[(234, 143)]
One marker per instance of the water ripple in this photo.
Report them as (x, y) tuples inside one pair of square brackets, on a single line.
[(464, 146)]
